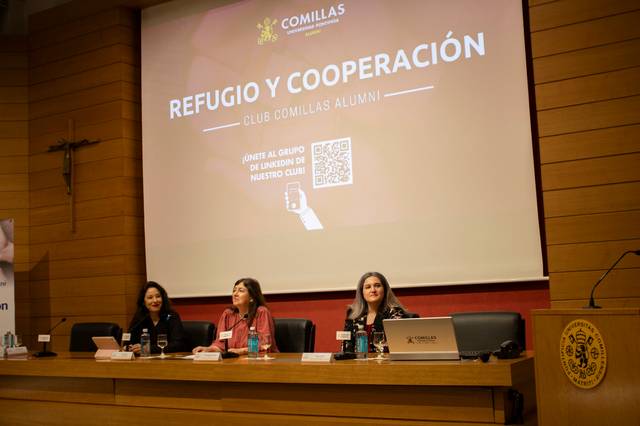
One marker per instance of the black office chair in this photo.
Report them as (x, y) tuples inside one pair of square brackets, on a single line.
[(411, 315), (482, 332), (295, 335), (82, 332), (199, 333)]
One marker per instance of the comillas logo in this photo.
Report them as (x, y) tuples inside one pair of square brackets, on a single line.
[(421, 340), (312, 17), (266, 31), (309, 23)]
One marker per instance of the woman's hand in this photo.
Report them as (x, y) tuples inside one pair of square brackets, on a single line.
[(239, 351), (200, 349), (135, 348), (205, 349)]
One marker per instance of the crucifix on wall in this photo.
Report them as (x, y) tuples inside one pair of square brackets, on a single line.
[(68, 146)]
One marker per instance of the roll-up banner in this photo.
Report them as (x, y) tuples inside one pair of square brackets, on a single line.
[(7, 292)]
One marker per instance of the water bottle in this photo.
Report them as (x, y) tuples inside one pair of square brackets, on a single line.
[(5, 344), (252, 343), (145, 343), (362, 343)]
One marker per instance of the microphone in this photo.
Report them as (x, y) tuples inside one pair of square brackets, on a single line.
[(44, 352), (226, 354), (592, 303), (133, 327)]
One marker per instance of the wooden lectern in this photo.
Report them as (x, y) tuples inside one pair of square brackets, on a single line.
[(565, 340)]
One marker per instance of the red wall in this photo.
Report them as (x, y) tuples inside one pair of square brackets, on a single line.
[(327, 310)]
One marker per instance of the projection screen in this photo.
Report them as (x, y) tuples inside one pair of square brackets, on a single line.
[(304, 143)]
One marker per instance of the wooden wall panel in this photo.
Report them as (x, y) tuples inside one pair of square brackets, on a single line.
[(100, 57), (106, 149), (14, 95), (16, 129), (91, 190), (85, 43), (91, 209), (590, 144), (593, 171), (90, 247), (14, 164), (611, 302), (14, 182), (92, 228), (112, 167), (596, 115), (573, 257), (593, 227), (13, 77), (574, 11), (575, 91), (84, 117), (85, 78), (88, 97), (592, 199), (595, 32), (101, 20), (586, 62), (116, 72), (111, 285), (620, 283)]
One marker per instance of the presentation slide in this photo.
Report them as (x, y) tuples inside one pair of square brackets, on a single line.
[(305, 143)]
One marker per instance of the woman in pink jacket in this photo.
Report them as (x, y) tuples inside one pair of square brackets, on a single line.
[(249, 309)]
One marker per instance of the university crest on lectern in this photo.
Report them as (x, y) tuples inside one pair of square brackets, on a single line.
[(583, 354)]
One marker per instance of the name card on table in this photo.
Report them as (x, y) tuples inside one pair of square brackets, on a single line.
[(104, 353), (44, 338), (122, 356), (17, 352), (343, 335), (317, 357), (208, 356)]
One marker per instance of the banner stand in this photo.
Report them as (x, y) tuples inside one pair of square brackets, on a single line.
[(7, 285)]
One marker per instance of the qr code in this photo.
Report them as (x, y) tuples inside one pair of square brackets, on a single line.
[(332, 163)]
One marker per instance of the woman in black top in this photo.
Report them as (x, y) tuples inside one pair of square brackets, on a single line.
[(374, 302), (155, 314)]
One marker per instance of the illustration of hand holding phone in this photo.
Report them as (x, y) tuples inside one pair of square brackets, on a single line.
[(294, 197), (296, 202)]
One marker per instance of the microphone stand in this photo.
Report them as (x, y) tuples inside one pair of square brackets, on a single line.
[(226, 354), (44, 352), (136, 325), (592, 303)]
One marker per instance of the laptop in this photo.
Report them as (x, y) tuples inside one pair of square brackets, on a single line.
[(421, 339)]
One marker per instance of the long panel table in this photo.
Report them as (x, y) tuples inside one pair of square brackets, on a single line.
[(78, 390)]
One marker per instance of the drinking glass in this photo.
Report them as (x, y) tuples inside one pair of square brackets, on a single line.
[(18, 340), (379, 342), (265, 344), (162, 343)]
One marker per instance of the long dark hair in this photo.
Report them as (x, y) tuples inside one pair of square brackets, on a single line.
[(359, 307), (142, 310), (256, 298)]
